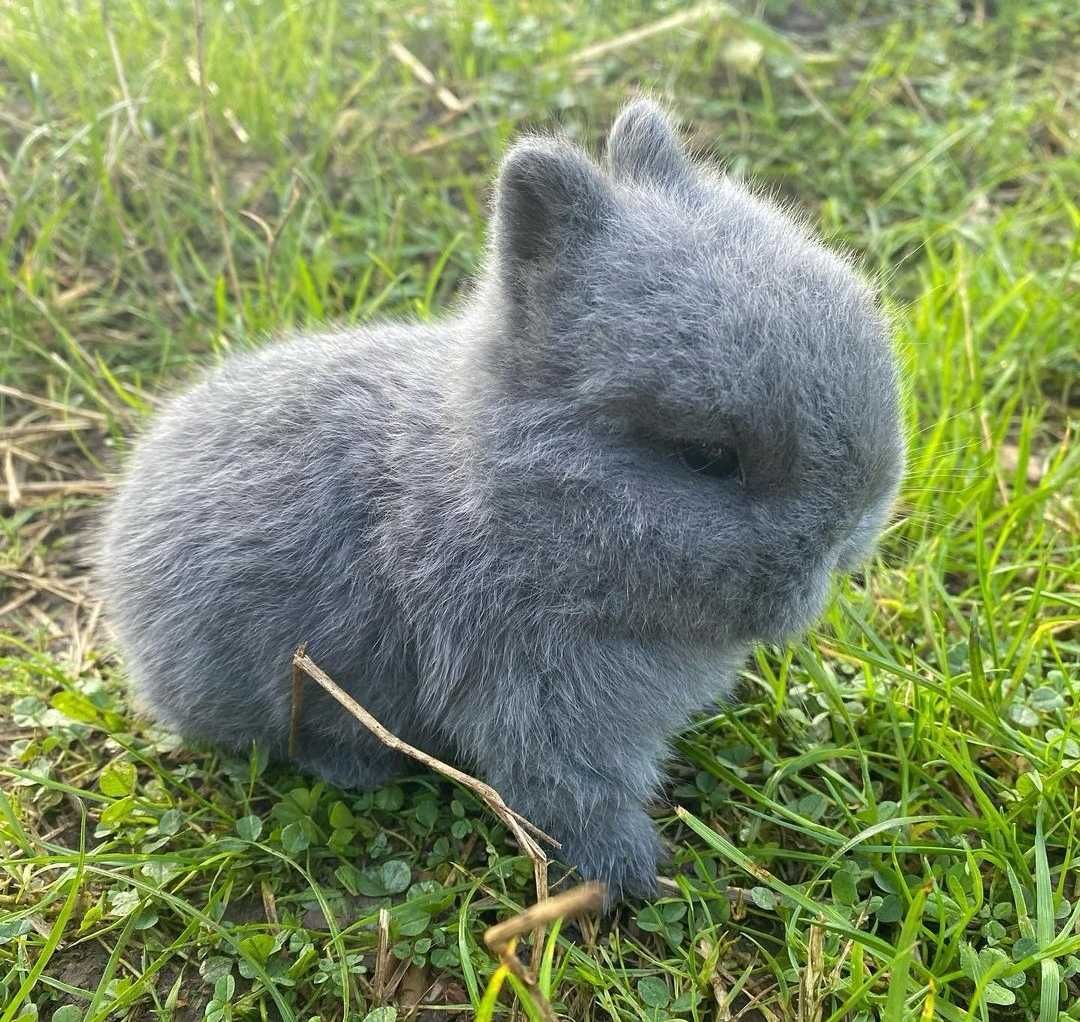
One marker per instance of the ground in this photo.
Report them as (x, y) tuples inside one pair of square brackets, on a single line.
[(883, 827)]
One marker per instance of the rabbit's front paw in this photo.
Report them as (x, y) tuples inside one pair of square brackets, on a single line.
[(622, 853)]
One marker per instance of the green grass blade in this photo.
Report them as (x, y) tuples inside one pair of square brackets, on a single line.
[(468, 973), (56, 932), (485, 1011), (543, 979), (1050, 975), (900, 966)]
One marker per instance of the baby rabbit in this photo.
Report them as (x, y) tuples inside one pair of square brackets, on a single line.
[(534, 537)]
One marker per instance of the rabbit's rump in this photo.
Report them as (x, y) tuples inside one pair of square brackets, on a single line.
[(245, 535)]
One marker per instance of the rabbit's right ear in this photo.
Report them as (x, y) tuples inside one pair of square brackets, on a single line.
[(550, 198), (643, 146)]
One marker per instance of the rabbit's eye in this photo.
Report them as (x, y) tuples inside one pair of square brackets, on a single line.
[(717, 462)]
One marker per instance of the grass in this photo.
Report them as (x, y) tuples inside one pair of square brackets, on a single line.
[(885, 827)]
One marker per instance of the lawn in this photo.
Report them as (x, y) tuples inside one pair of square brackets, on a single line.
[(885, 826)]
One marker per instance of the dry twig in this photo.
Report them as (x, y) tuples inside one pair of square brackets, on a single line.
[(503, 937), (515, 822)]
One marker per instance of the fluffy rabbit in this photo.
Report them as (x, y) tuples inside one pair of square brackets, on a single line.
[(534, 537)]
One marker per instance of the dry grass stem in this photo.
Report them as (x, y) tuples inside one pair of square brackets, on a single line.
[(81, 638), (808, 91), (14, 604), (43, 584), (216, 191), (811, 987), (380, 978), (118, 66), (50, 487), (35, 459), (640, 34), (56, 406), (272, 235), (11, 479), (44, 428), (444, 140), (424, 76), (269, 904), (46, 622), (501, 939)]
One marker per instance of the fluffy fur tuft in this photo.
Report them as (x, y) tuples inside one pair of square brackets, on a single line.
[(537, 536)]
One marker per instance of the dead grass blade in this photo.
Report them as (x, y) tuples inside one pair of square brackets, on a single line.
[(44, 429), (48, 488), (47, 585), (637, 35), (423, 75), (501, 939), (55, 406)]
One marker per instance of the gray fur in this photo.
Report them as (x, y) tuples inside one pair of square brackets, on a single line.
[(482, 528)]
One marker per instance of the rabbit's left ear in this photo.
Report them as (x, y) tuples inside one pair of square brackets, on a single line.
[(644, 147), (550, 198)]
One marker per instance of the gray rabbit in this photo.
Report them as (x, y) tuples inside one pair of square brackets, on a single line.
[(534, 537)]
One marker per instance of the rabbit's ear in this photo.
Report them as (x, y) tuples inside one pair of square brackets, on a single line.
[(549, 198), (643, 146)]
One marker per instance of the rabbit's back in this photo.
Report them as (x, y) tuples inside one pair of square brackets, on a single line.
[(243, 529)]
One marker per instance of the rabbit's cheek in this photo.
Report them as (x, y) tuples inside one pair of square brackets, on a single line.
[(792, 606), (809, 605), (858, 546), (853, 553)]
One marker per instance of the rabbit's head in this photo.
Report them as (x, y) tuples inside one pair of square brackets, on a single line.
[(705, 396)]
